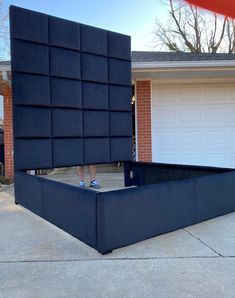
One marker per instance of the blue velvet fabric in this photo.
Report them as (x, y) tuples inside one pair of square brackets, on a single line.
[(67, 152), (32, 154), (70, 81), (67, 123), (29, 57), (32, 122), (121, 149), (68, 207), (215, 195), (96, 150), (65, 63), (28, 192), (131, 215), (94, 68), (120, 124), (119, 72), (64, 33), (120, 98), (29, 25), (95, 96), (33, 90), (93, 40), (151, 173), (96, 124), (114, 219), (119, 46), (66, 93)]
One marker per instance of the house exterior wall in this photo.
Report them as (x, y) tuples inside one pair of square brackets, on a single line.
[(143, 110), (8, 133)]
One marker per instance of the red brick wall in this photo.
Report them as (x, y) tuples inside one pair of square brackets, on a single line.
[(144, 137), (8, 133)]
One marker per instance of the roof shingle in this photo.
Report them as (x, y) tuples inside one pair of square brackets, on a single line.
[(144, 56), (5, 62)]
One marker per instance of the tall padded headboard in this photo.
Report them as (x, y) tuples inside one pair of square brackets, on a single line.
[(71, 92)]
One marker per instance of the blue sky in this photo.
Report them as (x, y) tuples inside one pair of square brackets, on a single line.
[(135, 18)]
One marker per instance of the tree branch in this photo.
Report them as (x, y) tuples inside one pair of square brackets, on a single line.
[(191, 29)]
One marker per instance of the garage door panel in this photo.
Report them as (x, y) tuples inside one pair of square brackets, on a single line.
[(231, 137), (198, 131), (216, 93), (231, 160), (190, 115), (167, 158), (178, 139), (165, 116), (215, 137), (189, 158), (166, 138), (231, 94), (188, 95), (189, 137), (215, 158), (165, 95), (213, 115), (231, 114)]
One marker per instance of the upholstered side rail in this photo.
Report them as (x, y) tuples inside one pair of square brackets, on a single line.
[(131, 215), (140, 173), (66, 206)]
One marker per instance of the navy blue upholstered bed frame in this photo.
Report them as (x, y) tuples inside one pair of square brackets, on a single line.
[(72, 106)]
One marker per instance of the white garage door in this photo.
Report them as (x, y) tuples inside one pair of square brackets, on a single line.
[(194, 124)]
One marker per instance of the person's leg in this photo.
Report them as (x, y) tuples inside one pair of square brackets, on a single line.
[(93, 183), (92, 171), (80, 170)]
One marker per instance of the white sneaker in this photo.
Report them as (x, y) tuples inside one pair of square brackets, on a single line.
[(95, 184), (82, 184)]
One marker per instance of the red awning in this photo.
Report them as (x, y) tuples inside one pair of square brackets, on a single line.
[(226, 7)]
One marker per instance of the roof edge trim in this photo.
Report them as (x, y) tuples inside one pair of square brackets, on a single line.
[(182, 64)]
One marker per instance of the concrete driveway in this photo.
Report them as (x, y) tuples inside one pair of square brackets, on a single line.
[(39, 260)]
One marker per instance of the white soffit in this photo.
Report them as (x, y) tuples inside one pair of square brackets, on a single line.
[(184, 70)]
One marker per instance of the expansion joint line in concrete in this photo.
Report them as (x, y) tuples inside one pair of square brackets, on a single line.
[(205, 244), (116, 259)]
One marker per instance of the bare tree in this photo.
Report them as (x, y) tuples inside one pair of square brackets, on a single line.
[(4, 33), (190, 29)]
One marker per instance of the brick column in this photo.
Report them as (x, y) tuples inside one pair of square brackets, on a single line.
[(144, 130), (8, 133)]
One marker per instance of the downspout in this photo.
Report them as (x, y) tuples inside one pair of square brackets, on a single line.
[(6, 78)]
